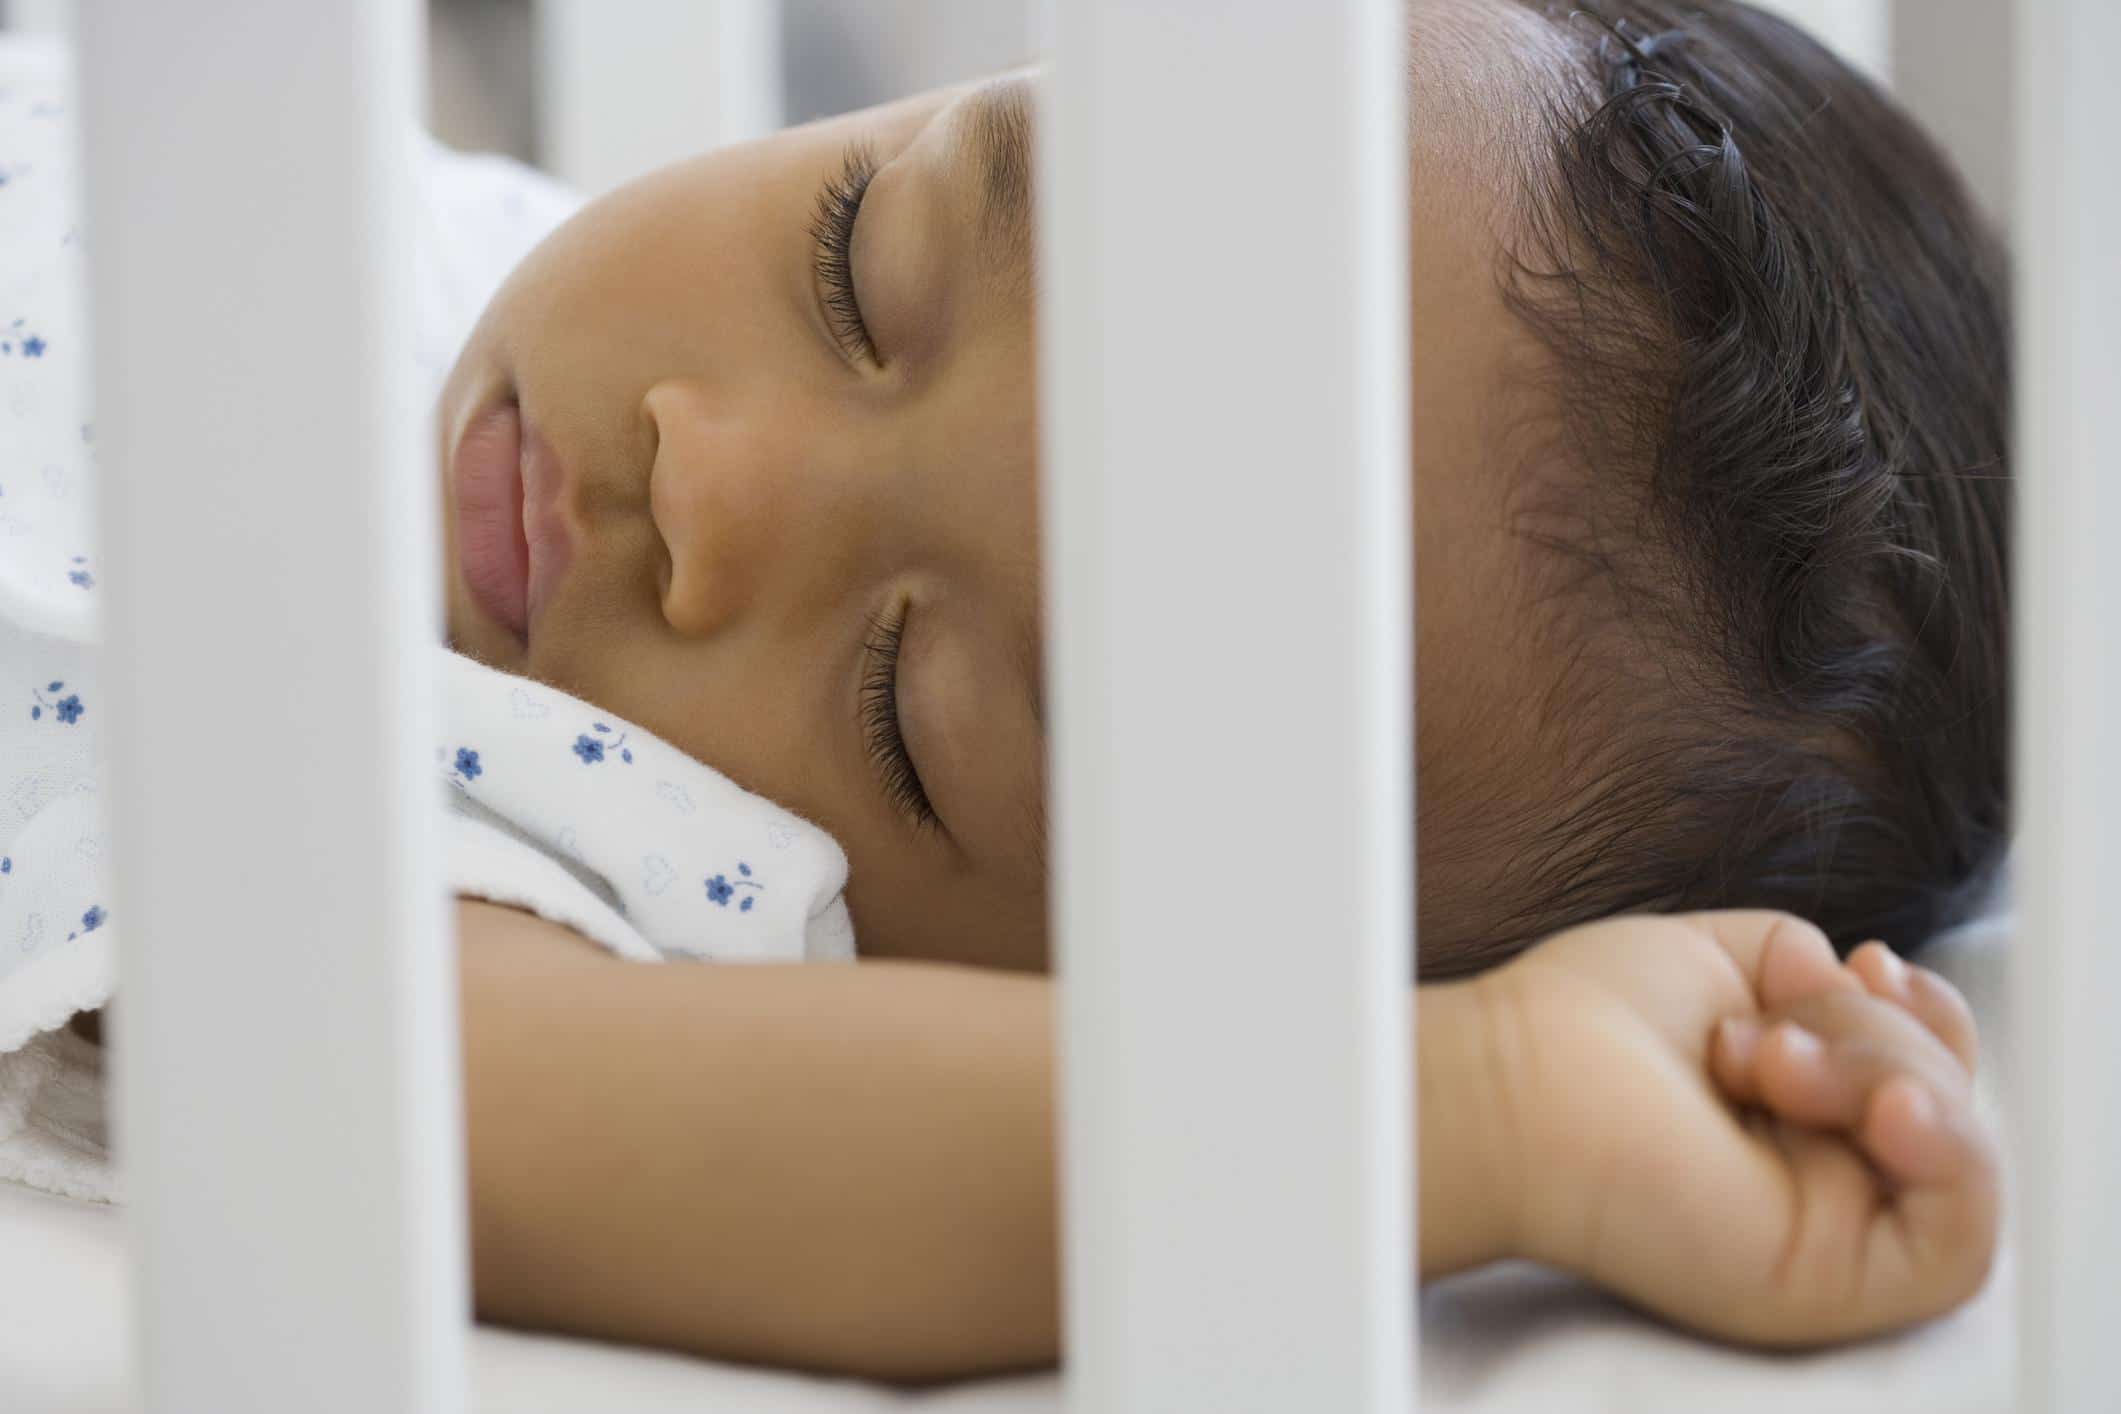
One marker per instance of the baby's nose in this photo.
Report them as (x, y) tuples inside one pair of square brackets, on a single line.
[(718, 492)]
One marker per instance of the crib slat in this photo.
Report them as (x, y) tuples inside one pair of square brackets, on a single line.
[(1227, 520), (288, 1096), (2069, 967)]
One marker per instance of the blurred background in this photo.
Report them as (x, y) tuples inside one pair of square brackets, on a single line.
[(596, 91)]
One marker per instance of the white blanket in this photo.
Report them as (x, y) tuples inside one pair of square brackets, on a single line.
[(55, 940)]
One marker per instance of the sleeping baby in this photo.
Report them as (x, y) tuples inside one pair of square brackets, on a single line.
[(1710, 518), (1707, 489)]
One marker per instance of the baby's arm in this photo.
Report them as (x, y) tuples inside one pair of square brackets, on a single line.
[(850, 1169), (840, 1168)]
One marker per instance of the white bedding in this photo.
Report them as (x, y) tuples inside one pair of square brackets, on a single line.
[(1506, 1341)]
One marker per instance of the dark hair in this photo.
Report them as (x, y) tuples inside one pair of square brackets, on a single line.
[(1778, 346)]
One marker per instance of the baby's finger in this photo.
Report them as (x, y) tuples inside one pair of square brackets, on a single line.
[(1946, 1206), (1783, 957), (1933, 1001), (1734, 1054), (1943, 1008), (1852, 1075), (1913, 1136), (1818, 1061)]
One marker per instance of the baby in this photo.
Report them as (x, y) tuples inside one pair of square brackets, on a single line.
[(1709, 491)]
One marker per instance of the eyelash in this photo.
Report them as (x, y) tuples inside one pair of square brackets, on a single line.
[(832, 230), (880, 723)]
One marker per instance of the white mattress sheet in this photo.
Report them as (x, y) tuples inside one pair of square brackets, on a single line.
[(1511, 1340)]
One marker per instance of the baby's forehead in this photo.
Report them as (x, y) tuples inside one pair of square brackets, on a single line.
[(1484, 78)]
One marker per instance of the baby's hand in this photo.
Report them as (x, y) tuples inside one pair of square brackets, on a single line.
[(1723, 1123)]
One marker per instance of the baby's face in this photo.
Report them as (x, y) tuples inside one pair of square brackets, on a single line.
[(783, 506), (781, 476)]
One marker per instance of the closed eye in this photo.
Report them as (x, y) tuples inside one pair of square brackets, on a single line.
[(880, 720), (839, 203)]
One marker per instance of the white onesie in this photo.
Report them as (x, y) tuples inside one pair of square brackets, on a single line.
[(557, 807)]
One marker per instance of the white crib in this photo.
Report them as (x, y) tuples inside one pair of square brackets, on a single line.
[(317, 1263)]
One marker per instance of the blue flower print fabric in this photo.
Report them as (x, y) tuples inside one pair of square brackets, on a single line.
[(57, 926), (693, 864), (59, 923)]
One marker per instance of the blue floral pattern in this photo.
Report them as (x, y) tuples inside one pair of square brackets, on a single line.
[(721, 888), (14, 338), (65, 710), (504, 765), (591, 748), (690, 865)]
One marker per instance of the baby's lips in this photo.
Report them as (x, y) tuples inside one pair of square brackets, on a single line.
[(491, 546)]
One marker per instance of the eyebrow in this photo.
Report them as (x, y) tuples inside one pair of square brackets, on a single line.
[(998, 139), (1031, 672), (1030, 644), (996, 130)]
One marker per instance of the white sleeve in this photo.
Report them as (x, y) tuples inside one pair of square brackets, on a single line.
[(487, 861)]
